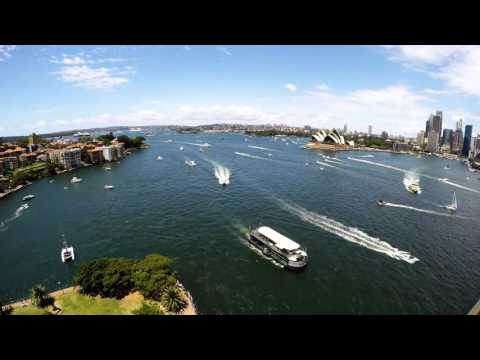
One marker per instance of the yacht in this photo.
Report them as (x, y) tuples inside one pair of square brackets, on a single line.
[(109, 187), (453, 206), (67, 253), (28, 197), (278, 247), (190, 163), (76, 180)]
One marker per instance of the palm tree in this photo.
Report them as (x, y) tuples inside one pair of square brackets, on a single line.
[(173, 300), (40, 297)]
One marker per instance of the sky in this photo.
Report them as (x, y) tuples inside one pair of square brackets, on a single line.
[(391, 87)]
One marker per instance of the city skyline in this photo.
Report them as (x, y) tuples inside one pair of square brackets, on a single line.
[(391, 88)]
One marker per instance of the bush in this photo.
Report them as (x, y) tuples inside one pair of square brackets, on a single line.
[(148, 309), (107, 277), (152, 275)]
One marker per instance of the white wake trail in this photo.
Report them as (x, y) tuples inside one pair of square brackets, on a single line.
[(16, 215), (194, 144), (408, 172), (251, 156), (348, 233), (422, 210), (221, 172), (325, 164), (260, 148)]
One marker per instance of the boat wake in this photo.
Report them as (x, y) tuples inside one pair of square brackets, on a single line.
[(260, 148), (407, 172), (251, 156), (409, 179), (348, 233), (325, 164), (194, 144), (366, 156), (432, 212), (16, 215), (222, 173)]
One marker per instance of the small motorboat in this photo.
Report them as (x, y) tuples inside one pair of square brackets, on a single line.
[(108, 168), (159, 158), (306, 164), (321, 168), (67, 253), (447, 167), (414, 188), (109, 187), (181, 148), (28, 197), (443, 179), (381, 203), (65, 188), (190, 163), (52, 181), (270, 155), (76, 180)]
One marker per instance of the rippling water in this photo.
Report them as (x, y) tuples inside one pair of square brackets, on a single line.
[(406, 258)]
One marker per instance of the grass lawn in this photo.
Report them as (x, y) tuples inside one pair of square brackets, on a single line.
[(30, 310), (78, 304)]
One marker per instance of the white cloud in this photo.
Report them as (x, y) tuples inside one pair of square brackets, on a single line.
[(88, 77), (436, 92), (224, 50), (5, 51), (291, 87), (188, 48), (457, 65), (322, 87)]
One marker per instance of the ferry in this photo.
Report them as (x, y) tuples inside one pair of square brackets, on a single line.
[(28, 197), (76, 180), (280, 248), (67, 253)]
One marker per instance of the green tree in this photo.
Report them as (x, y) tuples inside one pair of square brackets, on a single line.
[(152, 275), (129, 142), (40, 298), (5, 309), (148, 309), (172, 300), (107, 277)]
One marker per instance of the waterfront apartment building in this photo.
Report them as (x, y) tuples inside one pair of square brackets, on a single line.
[(421, 138), (467, 141), (95, 156), (432, 142), (109, 153), (9, 164), (399, 147), (67, 158)]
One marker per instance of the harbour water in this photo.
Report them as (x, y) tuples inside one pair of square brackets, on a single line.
[(411, 257)]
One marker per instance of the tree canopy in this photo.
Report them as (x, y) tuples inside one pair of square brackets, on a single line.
[(129, 142)]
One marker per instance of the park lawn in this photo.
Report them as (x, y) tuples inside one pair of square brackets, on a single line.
[(78, 304), (30, 310)]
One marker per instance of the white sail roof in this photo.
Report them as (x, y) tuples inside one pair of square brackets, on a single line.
[(281, 241)]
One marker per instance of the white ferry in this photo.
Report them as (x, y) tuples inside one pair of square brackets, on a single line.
[(280, 248), (67, 253)]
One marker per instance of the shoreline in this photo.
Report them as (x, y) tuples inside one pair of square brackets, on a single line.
[(189, 310)]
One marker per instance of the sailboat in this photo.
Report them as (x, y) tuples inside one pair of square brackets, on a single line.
[(453, 206)]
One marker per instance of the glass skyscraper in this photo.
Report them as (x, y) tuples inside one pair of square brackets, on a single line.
[(467, 140)]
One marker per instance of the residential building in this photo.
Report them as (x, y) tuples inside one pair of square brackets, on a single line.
[(421, 139), (9, 163), (398, 147), (432, 143), (109, 153), (67, 158), (467, 140), (95, 155)]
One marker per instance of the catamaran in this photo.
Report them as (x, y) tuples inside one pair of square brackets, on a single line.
[(278, 247), (67, 253), (453, 206)]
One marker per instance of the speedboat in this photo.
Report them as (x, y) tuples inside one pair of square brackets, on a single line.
[(443, 179), (190, 163), (28, 197), (67, 253), (270, 155), (414, 188), (109, 187), (76, 180), (380, 203)]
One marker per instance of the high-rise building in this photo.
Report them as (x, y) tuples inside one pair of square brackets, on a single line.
[(33, 139), (109, 153), (447, 137), (67, 158), (459, 124), (369, 130), (345, 128), (436, 123), (420, 138), (432, 143), (467, 140), (428, 126)]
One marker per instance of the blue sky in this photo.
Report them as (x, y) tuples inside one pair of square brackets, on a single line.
[(393, 88)]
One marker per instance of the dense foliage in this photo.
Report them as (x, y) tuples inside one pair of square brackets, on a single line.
[(40, 298), (129, 142), (148, 309), (117, 277), (107, 138), (5, 309), (107, 277), (172, 300)]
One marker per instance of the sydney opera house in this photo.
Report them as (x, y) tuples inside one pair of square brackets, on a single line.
[(329, 140)]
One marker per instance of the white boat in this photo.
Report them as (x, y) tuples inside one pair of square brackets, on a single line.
[(269, 154), (181, 148), (190, 163), (321, 168), (453, 206), (109, 187), (67, 253), (52, 181), (446, 167), (65, 188), (159, 158), (76, 180), (278, 247), (414, 188), (443, 179), (108, 168), (28, 197)]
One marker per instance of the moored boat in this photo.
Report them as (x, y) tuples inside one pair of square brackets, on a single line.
[(278, 247)]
